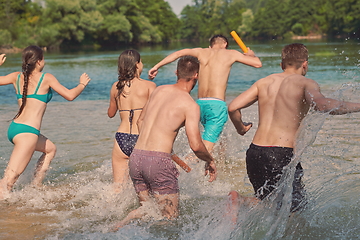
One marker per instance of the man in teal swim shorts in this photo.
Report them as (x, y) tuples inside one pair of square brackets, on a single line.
[(215, 65), (213, 116)]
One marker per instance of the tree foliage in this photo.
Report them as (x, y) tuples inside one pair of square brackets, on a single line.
[(271, 18), (74, 22), (53, 23)]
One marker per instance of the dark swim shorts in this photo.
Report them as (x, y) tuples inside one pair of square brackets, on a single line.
[(265, 168), (153, 171)]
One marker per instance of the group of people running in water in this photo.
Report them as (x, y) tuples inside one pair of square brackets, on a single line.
[(151, 117)]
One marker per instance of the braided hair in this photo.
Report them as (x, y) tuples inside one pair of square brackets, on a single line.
[(126, 70), (30, 56)]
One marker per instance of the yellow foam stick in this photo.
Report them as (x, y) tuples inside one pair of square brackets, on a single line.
[(239, 41)]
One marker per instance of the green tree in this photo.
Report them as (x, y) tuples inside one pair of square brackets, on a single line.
[(300, 16), (208, 17), (270, 22), (339, 16), (160, 15), (116, 26), (71, 19), (247, 19), (191, 23)]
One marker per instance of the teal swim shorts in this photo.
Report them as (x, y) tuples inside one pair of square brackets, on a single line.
[(17, 128), (213, 116)]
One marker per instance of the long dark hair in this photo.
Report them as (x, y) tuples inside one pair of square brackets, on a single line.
[(30, 56), (126, 69)]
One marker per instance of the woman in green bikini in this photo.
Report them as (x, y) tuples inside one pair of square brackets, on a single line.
[(33, 90)]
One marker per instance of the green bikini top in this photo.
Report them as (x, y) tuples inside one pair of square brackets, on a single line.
[(41, 97)]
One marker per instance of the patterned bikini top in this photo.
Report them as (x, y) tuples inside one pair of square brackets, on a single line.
[(131, 115)]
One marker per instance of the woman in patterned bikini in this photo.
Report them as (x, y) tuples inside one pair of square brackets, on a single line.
[(128, 96)]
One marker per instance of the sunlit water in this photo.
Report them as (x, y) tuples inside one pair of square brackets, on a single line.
[(78, 202)]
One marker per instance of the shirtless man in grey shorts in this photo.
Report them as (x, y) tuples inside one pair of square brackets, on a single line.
[(152, 171)]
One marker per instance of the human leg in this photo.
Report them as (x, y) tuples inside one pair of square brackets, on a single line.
[(48, 149), (168, 205), (136, 213), (235, 201), (24, 147), (213, 117), (120, 167)]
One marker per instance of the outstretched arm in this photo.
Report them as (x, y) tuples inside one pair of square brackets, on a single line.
[(323, 104), (172, 57), (68, 94), (336, 107), (2, 59)]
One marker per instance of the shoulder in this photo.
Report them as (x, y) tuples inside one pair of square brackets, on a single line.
[(267, 79), (190, 106), (149, 84), (233, 52), (114, 84), (195, 52), (11, 78), (302, 80), (14, 74), (49, 76), (188, 101)]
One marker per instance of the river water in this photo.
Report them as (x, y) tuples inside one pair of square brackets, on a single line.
[(78, 202)]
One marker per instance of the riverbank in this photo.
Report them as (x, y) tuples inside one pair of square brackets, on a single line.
[(8, 50), (310, 36)]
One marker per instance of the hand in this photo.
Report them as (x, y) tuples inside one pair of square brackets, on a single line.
[(152, 73), (211, 169), (250, 53), (246, 127), (2, 58), (84, 79)]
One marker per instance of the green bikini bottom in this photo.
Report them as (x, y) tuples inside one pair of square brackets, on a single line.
[(17, 128)]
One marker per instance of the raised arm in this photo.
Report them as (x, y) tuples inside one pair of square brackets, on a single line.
[(192, 118), (172, 57), (10, 78), (68, 94), (244, 100), (248, 58), (2, 59)]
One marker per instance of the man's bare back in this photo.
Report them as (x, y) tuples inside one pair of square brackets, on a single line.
[(215, 66), (166, 111), (152, 171), (282, 106)]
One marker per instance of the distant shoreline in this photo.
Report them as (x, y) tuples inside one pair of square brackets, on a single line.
[(316, 36), (7, 50)]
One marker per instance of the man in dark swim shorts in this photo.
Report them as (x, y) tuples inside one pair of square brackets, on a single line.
[(152, 171), (265, 167), (284, 99)]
